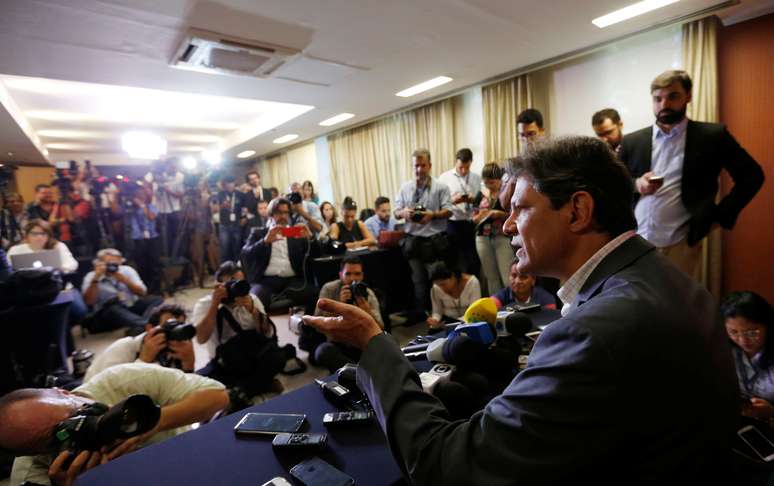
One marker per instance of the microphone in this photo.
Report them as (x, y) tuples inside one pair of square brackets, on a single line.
[(484, 309), (481, 332), (518, 324)]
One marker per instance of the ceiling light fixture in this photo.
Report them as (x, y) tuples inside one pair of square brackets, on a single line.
[(422, 87), (285, 138), (189, 163), (336, 119), (630, 11), (143, 145), (245, 154)]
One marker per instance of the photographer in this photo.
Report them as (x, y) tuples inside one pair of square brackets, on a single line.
[(350, 289), (275, 259), (30, 418), (151, 346), (232, 210), (304, 211), (217, 317), (117, 294), (147, 246), (425, 204), (167, 184), (12, 220)]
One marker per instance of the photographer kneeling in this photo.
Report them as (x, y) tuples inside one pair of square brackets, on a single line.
[(241, 339), (166, 341), (350, 289), (117, 294)]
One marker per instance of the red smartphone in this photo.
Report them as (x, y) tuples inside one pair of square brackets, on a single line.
[(292, 231)]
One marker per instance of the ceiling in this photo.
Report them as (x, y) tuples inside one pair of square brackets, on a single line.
[(115, 54)]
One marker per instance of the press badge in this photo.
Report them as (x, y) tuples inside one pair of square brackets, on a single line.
[(146, 234), (232, 217)]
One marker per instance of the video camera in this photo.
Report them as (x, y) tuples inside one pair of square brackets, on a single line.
[(63, 177), (234, 289), (419, 213), (358, 289), (96, 425)]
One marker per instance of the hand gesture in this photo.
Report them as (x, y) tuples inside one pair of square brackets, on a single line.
[(351, 325), (219, 294), (426, 218), (758, 408), (407, 213), (152, 344), (273, 235), (183, 351), (346, 293)]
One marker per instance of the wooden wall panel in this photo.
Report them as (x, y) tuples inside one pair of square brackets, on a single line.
[(746, 78)]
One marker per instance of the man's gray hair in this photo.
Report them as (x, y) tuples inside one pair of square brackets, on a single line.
[(108, 252), (421, 152)]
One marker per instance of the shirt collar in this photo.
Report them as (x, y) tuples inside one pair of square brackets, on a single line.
[(569, 291), (676, 131)]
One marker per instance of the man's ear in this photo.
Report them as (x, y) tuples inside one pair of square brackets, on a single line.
[(581, 207)]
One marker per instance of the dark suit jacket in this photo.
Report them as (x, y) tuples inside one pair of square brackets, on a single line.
[(256, 254), (251, 202), (635, 386), (709, 147)]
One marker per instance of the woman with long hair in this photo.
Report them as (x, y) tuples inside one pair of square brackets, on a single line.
[(494, 248), (307, 190), (38, 237)]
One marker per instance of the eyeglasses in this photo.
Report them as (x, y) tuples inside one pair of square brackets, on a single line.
[(751, 334)]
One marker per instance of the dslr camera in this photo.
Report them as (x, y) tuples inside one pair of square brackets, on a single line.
[(96, 425), (358, 289), (111, 267), (419, 213), (295, 198), (234, 289), (174, 331)]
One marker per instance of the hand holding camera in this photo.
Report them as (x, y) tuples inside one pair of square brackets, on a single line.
[(153, 343), (421, 215)]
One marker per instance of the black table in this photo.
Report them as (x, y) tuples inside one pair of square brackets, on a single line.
[(385, 270), (212, 455)]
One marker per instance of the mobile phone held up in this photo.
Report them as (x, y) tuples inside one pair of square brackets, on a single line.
[(292, 231)]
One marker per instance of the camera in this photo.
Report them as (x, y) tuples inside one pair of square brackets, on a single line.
[(295, 198), (419, 213), (236, 288), (111, 267), (358, 289), (174, 331), (96, 425), (63, 178)]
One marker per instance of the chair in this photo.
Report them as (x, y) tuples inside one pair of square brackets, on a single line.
[(34, 342)]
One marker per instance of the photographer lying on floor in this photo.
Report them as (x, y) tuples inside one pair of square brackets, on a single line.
[(166, 341), (42, 424)]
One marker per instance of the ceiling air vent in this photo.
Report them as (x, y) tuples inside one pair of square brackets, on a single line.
[(211, 52)]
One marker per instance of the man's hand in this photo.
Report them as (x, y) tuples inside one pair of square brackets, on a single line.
[(152, 344), (645, 186), (363, 304), (460, 197), (758, 408), (84, 461), (299, 209), (100, 268), (305, 233), (407, 213), (273, 235), (433, 323), (219, 294), (346, 293), (353, 325), (183, 351), (428, 216), (128, 445)]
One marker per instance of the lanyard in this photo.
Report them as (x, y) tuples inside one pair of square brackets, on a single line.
[(418, 192), (463, 187), (747, 381)]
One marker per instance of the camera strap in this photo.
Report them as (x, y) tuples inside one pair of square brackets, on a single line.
[(420, 191)]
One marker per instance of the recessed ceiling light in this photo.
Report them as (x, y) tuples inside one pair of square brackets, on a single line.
[(421, 87), (189, 163), (336, 119), (630, 11), (246, 154), (285, 138)]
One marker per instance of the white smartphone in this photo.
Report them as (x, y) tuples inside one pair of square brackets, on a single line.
[(757, 442), (656, 179)]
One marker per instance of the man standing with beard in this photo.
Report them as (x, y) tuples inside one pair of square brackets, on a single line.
[(675, 165)]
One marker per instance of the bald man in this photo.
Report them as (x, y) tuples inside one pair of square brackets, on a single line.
[(29, 417)]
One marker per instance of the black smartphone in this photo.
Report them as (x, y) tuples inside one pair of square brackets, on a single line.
[(316, 472), (269, 423)]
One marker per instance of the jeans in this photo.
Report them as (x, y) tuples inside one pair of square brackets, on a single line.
[(147, 256), (118, 315), (462, 238), (496, 255), (294, 288), (230, 242)]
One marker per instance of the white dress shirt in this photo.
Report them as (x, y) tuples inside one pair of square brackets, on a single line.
[(469, 184)]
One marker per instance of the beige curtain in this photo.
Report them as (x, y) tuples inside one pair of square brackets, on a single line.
[(373, 160), (275, 172), (700, 61), (503, 102)]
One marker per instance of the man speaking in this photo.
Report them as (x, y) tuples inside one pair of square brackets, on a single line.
[(633, 385)]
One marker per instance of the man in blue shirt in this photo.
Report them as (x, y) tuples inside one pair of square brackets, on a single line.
[(523, 291), (146, 251), (425, 204), (383, 219)]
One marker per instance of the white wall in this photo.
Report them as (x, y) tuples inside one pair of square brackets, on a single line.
[(617, 76)]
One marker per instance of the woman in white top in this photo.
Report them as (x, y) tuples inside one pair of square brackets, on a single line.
[(451, 294), (329, 216), (39, 237)]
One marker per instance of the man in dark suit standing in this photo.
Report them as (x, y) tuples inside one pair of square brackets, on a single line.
[(675, 165), (602, 399), (256, 193)]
